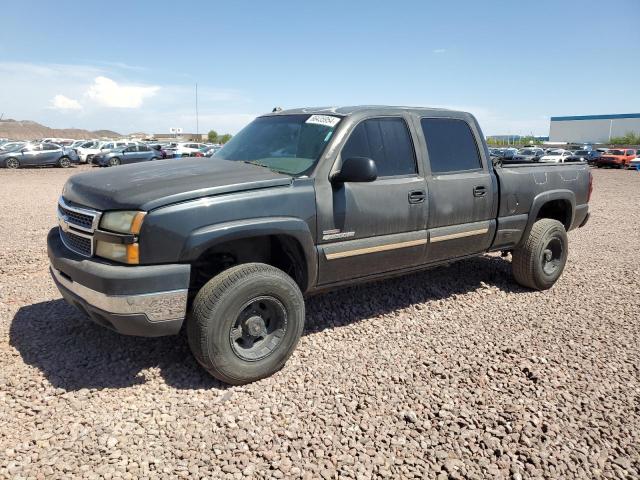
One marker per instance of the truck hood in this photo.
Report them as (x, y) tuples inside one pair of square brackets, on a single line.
[(149, 185)]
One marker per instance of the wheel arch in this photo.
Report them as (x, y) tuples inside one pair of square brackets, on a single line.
[(555, 204), (282, 242)]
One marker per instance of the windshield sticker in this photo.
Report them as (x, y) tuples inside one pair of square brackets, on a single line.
[(326, 120)]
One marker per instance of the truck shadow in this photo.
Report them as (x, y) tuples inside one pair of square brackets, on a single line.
[(74, 353)]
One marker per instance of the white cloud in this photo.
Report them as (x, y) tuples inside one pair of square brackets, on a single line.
[(60, 102), (109, 93), (439, 50)]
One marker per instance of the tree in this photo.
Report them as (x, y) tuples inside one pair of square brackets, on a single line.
[(212, 136), (630, 138), (224, 138)]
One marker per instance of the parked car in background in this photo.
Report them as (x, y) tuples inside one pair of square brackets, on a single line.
[(188, 149), (41, 154), (528, 155), (87, 150), (7, 147), (159, 148), (126, 155), (616, 157), (557, 156), (635, 163), (106, 147), (63, 142), (210, 151), (588, 156), (508, 154)]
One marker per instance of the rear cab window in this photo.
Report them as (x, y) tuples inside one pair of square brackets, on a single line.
[(451, 145)]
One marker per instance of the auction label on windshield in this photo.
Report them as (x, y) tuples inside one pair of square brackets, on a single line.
[(326, 120)]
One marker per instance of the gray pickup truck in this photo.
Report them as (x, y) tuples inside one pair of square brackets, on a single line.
[(298, 202)]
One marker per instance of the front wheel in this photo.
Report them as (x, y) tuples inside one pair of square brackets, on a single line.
[(540, 261), (114, 162), (246, 323), (64, 162), (12, 163)]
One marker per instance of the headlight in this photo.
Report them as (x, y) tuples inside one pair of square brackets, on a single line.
[(118, 252), (128, 223), (122, 222)]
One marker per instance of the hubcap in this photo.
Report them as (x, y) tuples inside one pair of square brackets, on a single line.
[(12, 163), (552, 256), (259, 328)]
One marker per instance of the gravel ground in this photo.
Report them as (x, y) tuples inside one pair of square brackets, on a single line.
[(452, 373)]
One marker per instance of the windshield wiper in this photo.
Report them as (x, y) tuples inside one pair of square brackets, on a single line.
[(255, 162)]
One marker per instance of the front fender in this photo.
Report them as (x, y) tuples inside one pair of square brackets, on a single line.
[(202, 239)]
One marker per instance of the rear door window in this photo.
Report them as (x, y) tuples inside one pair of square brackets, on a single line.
[(451, 145)]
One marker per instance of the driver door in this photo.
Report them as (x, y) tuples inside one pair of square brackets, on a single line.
[(379, 226), (31, 155)]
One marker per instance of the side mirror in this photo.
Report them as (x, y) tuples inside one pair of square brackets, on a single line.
[(356, 169)]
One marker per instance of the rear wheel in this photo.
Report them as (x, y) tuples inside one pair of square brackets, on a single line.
[(540, 261), (12, 163), (64, 162), (246, 322), (114, 162)]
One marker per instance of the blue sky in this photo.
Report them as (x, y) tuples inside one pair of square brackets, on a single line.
[(132, 66)]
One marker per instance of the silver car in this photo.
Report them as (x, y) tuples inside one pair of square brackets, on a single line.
[(38, 155)]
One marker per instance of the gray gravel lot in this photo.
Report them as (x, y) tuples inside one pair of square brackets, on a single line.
[(451, 373)]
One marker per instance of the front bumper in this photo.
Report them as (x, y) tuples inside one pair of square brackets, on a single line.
[(147, 301), (609, 162)]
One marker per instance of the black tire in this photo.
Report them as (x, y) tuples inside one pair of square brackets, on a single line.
[(64, 162), (540, 261), (12, 163), (113, 162), (221, 334)]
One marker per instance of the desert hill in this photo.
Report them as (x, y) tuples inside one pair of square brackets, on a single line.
[(29, 130)]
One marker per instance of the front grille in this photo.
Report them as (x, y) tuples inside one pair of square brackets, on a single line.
[(76, 218), (77, 243), (77, 225)]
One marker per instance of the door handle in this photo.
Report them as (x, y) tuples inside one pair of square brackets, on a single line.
[(417, 196), (479, 191)]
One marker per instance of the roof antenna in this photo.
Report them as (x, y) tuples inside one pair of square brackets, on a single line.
[(276, 109)]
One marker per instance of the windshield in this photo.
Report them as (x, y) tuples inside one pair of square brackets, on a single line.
[(582, 152), (615, 152), (527, 152), (554, 154), (290, 144)]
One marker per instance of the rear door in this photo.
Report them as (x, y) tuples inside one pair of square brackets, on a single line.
[(130, 154), (462, 190), (379, 226), (50, 154), (144, 153)]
